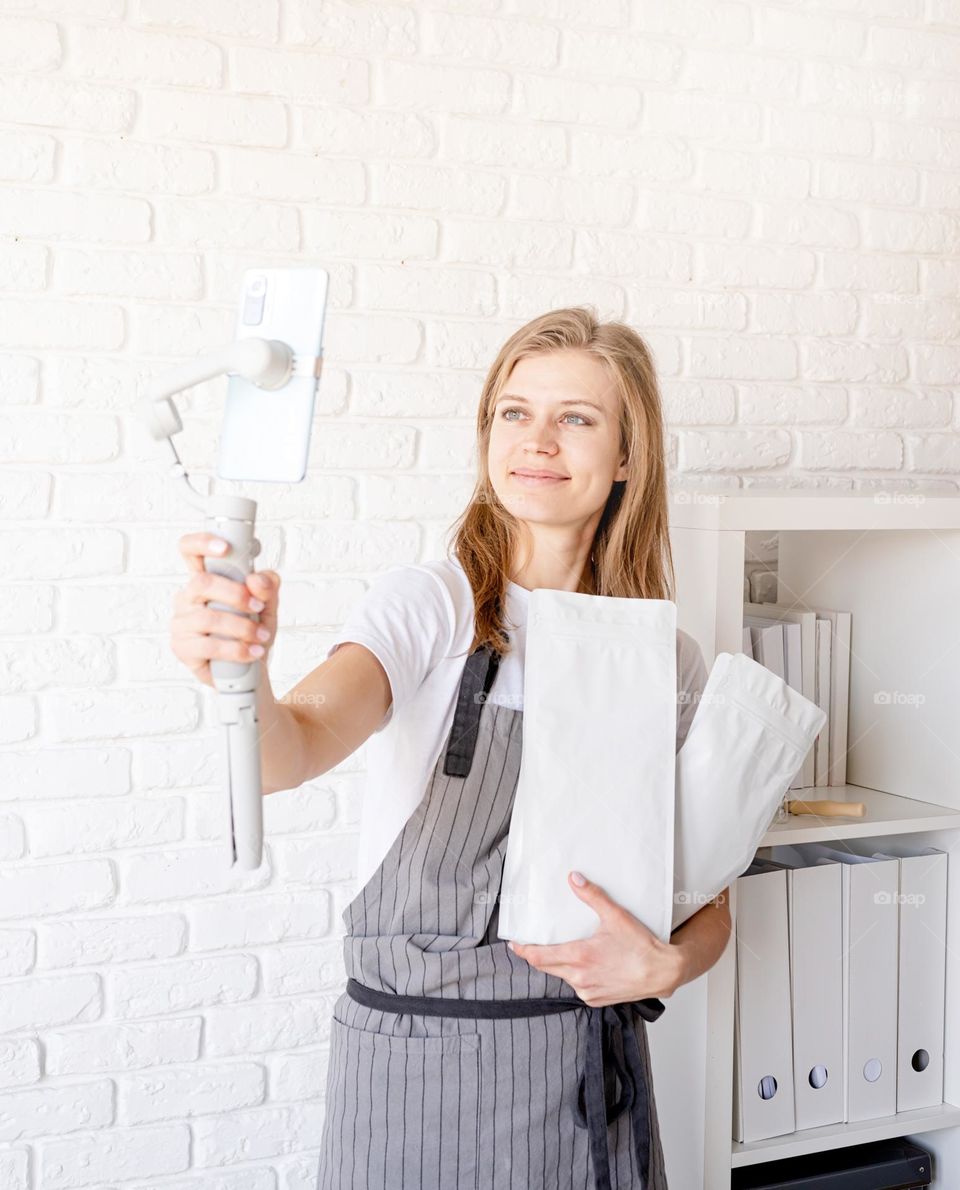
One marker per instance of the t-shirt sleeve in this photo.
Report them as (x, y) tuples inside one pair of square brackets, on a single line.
[(406, 619), (691, 679)]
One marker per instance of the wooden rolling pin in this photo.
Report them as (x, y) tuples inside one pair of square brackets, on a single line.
[(827, 809)]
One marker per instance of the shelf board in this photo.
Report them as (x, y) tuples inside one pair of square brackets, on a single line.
[(886, 814), (807, 509), (838, 1136)]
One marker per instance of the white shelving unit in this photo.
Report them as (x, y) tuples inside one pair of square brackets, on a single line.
[(894, 562)]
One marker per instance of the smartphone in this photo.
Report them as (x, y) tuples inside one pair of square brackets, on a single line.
[(266, 432)]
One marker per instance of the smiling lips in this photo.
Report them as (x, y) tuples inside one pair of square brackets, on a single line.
[(531, 478)]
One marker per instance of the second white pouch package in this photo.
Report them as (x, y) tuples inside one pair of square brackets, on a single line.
[(595, 791)]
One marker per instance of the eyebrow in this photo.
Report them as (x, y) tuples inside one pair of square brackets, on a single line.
[(515, 397)]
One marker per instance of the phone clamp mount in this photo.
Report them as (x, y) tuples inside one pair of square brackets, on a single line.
[(269, 364)]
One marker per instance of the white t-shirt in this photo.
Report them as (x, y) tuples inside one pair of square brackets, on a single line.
[(418, 620)]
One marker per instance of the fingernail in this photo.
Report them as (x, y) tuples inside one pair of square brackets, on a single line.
[(256, 650), (577, 878), (256, 605), (218, 547)]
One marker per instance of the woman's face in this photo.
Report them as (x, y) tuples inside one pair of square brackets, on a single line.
[(559, 413)]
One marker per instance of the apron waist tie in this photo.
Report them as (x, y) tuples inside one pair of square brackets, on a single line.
[(594, 1110)]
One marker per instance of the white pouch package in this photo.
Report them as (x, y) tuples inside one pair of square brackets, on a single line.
[(595, 791), (748, 739)]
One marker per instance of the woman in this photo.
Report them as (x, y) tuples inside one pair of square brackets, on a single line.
[(449, 1067)]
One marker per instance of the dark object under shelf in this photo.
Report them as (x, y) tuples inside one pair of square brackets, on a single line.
[(881, 1165)]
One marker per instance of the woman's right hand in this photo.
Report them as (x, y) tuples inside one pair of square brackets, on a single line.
[(193, 621)]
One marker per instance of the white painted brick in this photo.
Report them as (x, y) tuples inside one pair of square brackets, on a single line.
[(20, 1063), (413, 394), (251, 1177), (448, 291), (301, 970), (828, 359), (936, 364), (723, 450), (754, 265), (665, 351), (120, 713), (916, 143), (39, 553), (853, 88), (369, 234), (86, 827), (306, 77), (38, 437), (15, 1169), (128, 274), (805, 33), (266, 1025), (29, 45), (695, 20), (465, 344), (940, 278), (508, 244), (36, 1004), (62, 214), (13, 839), (411, 494), (42, 773), (600, 13), (814, 132), (919, 50), (316, 860), (688, 114), (255, 1135), (18, 719), (570, 200), (941, 190), (422, 86), (431, 187), (256, 19), (17, 952), (346, 28), (377, 339), (934, 452), (212, 119), (20, 378), (869, 271), (302, 1075), (24, 495), (42, 662), (687, 309), (689, 402), (503, 143), (894, 10), (135, 56), (95, 1049), (912, 231), (812, 224), (732, 72), (26, 157), (182, 984), (522, 292), (289, 812), (909, 316), (753, 175), (158, 876), (839, 449), (855, 182), (358, 446), (609, 153), (576, 102), (794, 404), (105, 939), (120, 1153), (129, 165), (197, 1090), (264, 920), (51, 1110), (805, 313), (481, 39), (620, 55), (351, 546), (260, 173), (743, 357), (366, 134), (223, 223), (693, 214), (625, 254), (899, 408), (446, 448), (61, 325), (62, 103), (24, 266)]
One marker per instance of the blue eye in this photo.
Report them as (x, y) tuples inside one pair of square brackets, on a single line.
[(583, 420)]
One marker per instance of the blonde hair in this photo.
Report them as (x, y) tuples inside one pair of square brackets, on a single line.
[(631, 555)]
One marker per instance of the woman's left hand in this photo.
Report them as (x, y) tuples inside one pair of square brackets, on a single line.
[(621, 961)]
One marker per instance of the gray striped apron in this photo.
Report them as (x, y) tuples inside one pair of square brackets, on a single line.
[(454, 1064)]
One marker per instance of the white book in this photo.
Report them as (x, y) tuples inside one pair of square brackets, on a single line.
[(748, 643), (768, 645), (822, 745)]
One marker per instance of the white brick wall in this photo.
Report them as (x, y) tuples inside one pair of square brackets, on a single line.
[(770, 191)]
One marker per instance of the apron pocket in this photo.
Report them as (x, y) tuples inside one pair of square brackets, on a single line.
[(407, 1109)]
